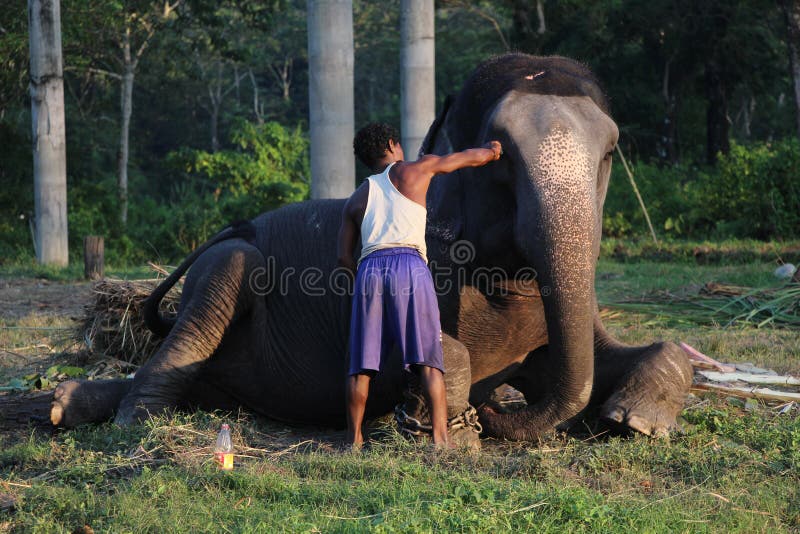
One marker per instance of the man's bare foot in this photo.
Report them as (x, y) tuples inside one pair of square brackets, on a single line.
[(350, 447), (442, 441), (444, 444)]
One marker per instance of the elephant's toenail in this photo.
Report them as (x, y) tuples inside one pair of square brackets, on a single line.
[(617, 415), (56, 414), (640, 424)]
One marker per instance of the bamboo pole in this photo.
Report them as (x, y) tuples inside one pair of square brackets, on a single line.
[(638, 196)]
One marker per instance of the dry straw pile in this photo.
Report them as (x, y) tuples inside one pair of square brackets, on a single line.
[(112, 326)]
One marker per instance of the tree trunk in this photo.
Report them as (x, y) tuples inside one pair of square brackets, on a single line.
[(19, 411), (49, 139), (236, 80), (791, 8), (93, 257), (717, 126), (215, 96), (214, 127), (258, 106), (540, 13), (670, 131), (126, 105), (286, 79), (330, 97), (522, 34), (417, 77)]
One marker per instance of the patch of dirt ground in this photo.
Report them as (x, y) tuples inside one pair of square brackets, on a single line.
[(20, 297)]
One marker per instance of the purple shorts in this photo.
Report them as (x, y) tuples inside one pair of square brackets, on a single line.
[(394, 302)]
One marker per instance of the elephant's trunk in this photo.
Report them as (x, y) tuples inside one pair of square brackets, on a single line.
[(556, 232)]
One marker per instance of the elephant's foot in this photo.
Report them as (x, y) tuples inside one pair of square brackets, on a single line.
[(464, 430), (77, 402), (650, 396)]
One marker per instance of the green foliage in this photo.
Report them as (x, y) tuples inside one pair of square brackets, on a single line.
[(13, 59), (269, 168), (46, 380), (752, 193), (210, 67), (755, 191), (16, 193), (667, 193)]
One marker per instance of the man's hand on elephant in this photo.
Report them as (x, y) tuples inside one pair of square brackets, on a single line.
[(496, 148)]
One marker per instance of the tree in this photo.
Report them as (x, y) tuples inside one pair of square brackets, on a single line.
[(122, 32), (418, 83), (227, 41), (137, 29), (330, 97), (49, 139), (14, 41), (791, 10), (377, 62)]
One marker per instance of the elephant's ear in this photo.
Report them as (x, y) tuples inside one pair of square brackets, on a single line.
[(445, 194), (436, 127)]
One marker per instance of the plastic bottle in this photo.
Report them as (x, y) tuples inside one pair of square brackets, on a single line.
[(223, 451)]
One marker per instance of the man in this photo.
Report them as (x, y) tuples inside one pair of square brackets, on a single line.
[(394, 299)]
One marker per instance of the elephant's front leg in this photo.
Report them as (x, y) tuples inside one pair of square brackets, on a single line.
[(640, 388), (221, 294), (462, 417)]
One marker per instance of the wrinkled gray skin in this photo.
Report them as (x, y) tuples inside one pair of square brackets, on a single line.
[(539, 208)]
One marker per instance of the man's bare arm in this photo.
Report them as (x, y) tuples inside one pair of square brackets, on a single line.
[(350, 227), (473, 157)]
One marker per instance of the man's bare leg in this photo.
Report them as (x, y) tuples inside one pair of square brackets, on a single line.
[(357, 392), (433, 388)]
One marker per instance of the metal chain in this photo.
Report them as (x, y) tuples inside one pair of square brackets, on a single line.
[(410, 426), (466, 419)]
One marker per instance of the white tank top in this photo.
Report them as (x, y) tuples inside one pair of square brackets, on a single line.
[(391, 219)]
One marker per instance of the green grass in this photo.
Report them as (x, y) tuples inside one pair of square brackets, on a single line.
[(628, 281), (730, 471), (733, 468), (72, 273), (725, 252), (659, 318)]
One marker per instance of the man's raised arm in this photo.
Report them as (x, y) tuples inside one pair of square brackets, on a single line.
[(473, 157)]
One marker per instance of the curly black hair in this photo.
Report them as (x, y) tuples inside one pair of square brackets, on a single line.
[(372, 141)]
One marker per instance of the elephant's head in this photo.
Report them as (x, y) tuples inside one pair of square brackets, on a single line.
[(552, 119)]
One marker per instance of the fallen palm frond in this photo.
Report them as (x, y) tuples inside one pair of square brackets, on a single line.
[(113, 327), (724, 304), (777, 306)]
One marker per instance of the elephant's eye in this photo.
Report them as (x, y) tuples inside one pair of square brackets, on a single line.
[(610, 152)]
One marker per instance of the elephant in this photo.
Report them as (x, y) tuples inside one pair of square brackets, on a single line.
[(513, 247)]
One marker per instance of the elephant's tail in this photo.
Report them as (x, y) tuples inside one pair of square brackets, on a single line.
[(152, 318)]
